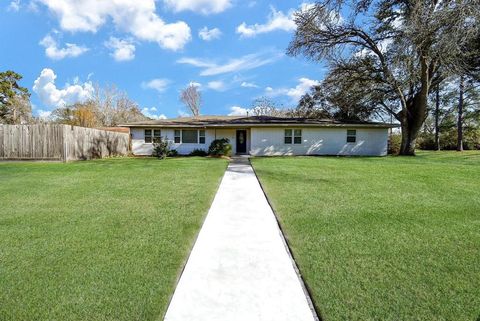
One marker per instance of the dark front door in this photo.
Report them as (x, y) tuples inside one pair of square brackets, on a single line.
[(241, 141)]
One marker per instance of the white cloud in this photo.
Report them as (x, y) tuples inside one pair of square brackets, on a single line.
[(138, 18), (14, 6), (247, 62), (44, 114), (246, 84), (123, 50), (216, 85), (52, 50), (151, 113), (277, 20), (195, 84), (209, 34), (182, 113), (44, 86), (238, 111), (202, 6), (158, 84), (295, 93)]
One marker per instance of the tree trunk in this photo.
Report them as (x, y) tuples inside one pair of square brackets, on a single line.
[(460, 116), (411, 123), (414, 112), (437, 117)]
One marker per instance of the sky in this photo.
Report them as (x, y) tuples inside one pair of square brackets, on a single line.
[(234, 50)]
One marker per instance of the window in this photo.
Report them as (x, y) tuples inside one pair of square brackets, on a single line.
[(351, 136), (288, 136), (293, 136), (177, 137), (157, 135), (148, 136), (190, 136), (297, 136)]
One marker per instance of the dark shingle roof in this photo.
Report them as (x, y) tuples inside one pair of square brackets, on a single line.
[(250, 121)]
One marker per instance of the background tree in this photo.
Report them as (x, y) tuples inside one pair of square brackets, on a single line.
[(108, 107), (192, 98), (15, 107), (440, 130), (398, 49), (114, 107), (264, 106)]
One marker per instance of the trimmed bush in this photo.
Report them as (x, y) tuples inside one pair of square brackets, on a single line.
[(172, 153), (220, 147), (198, 152)]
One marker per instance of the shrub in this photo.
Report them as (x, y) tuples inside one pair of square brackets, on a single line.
[(161, 148), (172, 153), (394, 144), (220, 147), (198, 152)]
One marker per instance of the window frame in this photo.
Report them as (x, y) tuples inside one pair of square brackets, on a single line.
[(290, 137), (293, 138), (201, 137), (179, 131), (156, 138), (150, 137), (351, 136), (192, 130)]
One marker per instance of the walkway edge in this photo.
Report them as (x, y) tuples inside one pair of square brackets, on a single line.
[(182, 270), (316, 314)]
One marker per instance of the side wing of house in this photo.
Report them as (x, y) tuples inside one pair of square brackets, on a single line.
[(354, 141), (183, 140)]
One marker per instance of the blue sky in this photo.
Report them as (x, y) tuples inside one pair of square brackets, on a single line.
[(235, 51)]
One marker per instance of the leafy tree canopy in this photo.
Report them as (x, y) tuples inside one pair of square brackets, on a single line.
[(390, 51)]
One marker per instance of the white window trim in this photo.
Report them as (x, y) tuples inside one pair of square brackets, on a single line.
[(152, 135), (198, 136), (293, 136)]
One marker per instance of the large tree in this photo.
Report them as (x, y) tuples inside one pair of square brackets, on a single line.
[(337, 97), (15, 107), (397, 50)]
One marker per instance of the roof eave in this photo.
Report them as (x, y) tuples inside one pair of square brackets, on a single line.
[(256, 125)]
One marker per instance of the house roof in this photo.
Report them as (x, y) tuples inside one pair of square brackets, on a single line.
[(252, 121)]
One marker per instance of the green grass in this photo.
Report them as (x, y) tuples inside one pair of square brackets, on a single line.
[(99, 240), (395, 238)]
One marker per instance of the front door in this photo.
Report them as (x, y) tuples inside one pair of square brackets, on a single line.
[(241, 141)]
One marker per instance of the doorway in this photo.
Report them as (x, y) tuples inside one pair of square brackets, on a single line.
[(241, 141)]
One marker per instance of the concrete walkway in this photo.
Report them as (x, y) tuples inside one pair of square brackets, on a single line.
[(239, 268)]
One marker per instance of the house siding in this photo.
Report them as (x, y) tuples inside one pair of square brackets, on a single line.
[(320, 141), (139, 147), (270, 141)]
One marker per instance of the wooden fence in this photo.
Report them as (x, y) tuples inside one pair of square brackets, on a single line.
[(60, 142)]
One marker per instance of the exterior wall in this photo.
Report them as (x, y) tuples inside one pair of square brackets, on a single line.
[(270, 141), (139, 147), (320, 141)]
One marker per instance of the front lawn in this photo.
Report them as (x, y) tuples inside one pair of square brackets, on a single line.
[(99, 240), (395, 238)]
